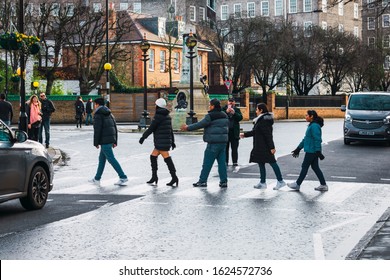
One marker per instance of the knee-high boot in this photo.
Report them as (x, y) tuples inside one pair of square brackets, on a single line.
[(172, 170), (153, 164)]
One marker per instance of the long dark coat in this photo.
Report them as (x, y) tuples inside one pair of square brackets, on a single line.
[(263, 141), (161, 127)]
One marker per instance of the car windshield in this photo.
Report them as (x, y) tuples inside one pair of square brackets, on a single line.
[(373, 102), (4, 133)]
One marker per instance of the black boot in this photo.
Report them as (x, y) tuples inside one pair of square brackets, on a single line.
[(153, 163), (172, 170)]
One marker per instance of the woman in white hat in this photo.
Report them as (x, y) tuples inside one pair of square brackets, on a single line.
[(163, 137)]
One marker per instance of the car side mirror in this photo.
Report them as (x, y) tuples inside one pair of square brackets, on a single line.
[(343, 108), (20, 136)]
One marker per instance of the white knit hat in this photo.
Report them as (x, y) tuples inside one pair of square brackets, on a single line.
[(161, 103)]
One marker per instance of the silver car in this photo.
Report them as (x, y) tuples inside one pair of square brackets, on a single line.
[(26, 169)]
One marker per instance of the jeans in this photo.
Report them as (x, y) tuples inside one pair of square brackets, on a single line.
[(234, 144), (311, 159), (106, 153), (276, 169), (45, 124), (88, 119), (214, 152)]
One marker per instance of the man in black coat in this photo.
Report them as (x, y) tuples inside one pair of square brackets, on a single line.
[(47, 108), (105, 136), (6, 112)]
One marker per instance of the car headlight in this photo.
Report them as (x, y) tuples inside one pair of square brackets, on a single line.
[(348, 118), (387, 120)]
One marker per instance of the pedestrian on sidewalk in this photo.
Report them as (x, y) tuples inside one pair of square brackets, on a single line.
[(47, 108), (263, 146), (235, 116), (161, 127), (105, 136), (34, 117), (88, 111), (215, 134), (311, 144), (6, 111), (79, 111)]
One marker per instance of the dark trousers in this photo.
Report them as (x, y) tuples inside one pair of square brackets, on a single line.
[(311, 159), (234, 144), (33, 133), (45, 125)]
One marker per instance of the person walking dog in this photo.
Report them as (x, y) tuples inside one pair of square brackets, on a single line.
[(161, 127), (263, 146), (216, 126), (105, 136), (311, 144)]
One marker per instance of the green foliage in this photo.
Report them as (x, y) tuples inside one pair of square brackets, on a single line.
[(120, 87), (57, 89)]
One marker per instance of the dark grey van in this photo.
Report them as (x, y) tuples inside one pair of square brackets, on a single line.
[(367, 117)]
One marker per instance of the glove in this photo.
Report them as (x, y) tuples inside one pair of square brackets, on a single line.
[(320, 155), (295, 153), (173, 146), (141, 140)]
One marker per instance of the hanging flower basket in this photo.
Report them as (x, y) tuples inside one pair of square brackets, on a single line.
[(15, 79), (34, 48), (11, 41)]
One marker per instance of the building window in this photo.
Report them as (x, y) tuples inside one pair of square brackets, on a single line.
[(356, 10), (385, 3), (356, 31), (123, 6), (162, 61), (55, 9), (151, 60), (307, 28), (265, 8), (371, 4), (324, 25), (42, 9), (341, 28), (176, 61), (251, 9), (371, 23), (371, 42), (137, 7), (200, 63), (292, 7), (69, 9), (386, 41), (224, 12), (237, 10), (307, 6), (324, 6), (386, 65), (97, 7), (192, 13), (341, 8), (386, 20), (278, 7), (202, 14)]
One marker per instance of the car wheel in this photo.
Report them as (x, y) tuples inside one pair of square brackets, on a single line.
[(347, 142), (38, 189)]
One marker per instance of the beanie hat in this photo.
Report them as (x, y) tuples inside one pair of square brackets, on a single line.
[(215, 102), (161, 103)]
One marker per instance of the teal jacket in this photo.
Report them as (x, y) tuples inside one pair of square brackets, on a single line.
[(311, 143)]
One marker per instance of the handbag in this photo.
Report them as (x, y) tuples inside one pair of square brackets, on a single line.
[(36, 124)]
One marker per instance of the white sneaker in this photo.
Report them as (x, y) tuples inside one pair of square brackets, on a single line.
[(294, 186), (122, 182), (322, 188), (260, 186), (95, 182), (279, 185)]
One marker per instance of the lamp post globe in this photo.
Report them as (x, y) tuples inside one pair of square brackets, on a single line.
[(144, 46), (35, 84), (107, 66), (191, 43)]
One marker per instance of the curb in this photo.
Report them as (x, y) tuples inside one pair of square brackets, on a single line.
[(368, 237)]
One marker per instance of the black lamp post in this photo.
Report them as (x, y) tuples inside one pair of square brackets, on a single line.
[(144, 120), (107, 65), (22, 115), (191, 43)]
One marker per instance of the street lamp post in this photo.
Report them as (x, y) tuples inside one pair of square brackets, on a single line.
[(107, 65), (191, 43), (144, 120), (22, 115)]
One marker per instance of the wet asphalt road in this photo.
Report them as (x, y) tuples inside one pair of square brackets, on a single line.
[(157, 222)]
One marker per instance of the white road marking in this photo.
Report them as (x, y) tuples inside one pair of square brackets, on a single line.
[(343, 177), (92, 200), (338, 192), (385, 179)]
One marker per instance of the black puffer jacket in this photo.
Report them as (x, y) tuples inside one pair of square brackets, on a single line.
[(161, 127), (263, 141), (104, 127)]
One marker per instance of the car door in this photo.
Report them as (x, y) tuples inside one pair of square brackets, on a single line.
[(12, 163)]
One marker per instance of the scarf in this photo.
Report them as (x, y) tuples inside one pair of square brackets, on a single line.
[(257, 118), (35, 113)]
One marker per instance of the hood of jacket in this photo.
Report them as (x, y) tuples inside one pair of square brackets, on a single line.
[(103, 110), (162, 111), (268, 117)]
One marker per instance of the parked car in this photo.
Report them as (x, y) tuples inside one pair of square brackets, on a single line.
[(367, 117), (26, 169)]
